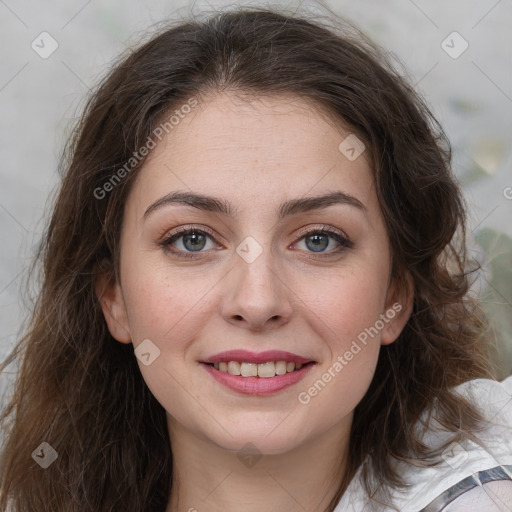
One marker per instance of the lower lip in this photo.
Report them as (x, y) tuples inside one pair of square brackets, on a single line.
[(258, 385)]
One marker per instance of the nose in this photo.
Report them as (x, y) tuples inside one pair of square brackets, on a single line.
[(256, 295)]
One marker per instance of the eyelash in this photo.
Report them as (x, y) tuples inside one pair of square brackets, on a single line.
[(344, 242)]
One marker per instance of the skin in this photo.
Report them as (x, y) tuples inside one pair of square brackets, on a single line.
[(255, 155)]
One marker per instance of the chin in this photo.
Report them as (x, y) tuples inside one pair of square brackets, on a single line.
[(267, 441)]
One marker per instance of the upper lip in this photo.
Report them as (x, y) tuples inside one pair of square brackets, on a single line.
[(245, 356)]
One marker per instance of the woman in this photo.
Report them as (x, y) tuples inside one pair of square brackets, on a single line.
[(254, 292)]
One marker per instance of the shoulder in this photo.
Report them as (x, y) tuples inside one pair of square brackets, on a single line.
[(470, 470), (491, 497), (489, 490), (488, 393), (467, 472)]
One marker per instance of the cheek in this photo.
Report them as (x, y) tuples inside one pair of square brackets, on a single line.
[(345, 311), (338, 387), (344, 303), (170, 311), (345, 317), (164, 302)]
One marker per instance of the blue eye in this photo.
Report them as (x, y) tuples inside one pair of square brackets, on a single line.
[(194, 240), (319, 239)]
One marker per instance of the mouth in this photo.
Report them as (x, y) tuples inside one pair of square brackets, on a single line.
[(263, 370), (264, 373), (257, 373)]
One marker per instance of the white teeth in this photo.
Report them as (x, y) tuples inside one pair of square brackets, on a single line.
[(234, 367), (280, 367), (249, 369), (265, 370)]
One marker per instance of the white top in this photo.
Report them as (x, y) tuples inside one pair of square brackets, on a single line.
[(470, 477)]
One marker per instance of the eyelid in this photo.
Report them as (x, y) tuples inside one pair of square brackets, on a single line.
[(167, 235), (325, 229)]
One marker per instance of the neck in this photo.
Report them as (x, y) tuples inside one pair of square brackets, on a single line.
[(209, 478)]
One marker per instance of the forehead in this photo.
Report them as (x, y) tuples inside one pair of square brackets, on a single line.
[(226, 121), (247, 148)]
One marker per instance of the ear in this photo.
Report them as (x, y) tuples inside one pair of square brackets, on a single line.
[(398, 309), (111, 299)]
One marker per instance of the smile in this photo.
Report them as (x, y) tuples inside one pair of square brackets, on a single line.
[(257, 385), (266, 370)]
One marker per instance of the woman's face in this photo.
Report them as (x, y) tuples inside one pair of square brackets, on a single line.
[(257, 278)]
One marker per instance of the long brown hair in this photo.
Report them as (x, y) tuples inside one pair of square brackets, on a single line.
[(82, 392)]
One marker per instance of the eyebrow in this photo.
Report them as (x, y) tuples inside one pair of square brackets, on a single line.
[(291, 207)]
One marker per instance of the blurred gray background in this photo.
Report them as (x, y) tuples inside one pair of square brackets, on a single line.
[(458, 55)]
